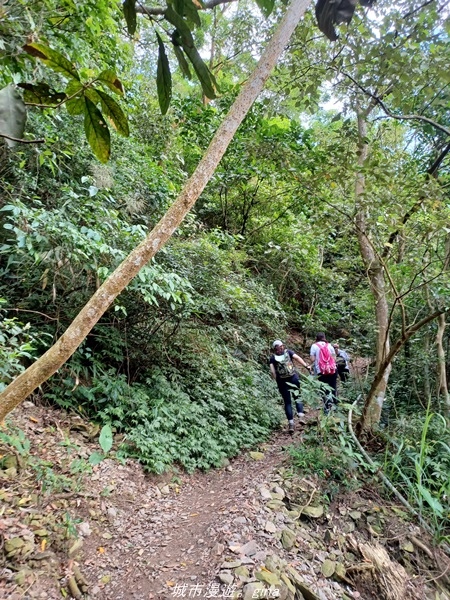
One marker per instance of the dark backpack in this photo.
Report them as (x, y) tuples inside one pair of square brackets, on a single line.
[(326, 362), (340, 361), (286, 368)]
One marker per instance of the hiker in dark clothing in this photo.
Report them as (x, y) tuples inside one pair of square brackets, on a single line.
[(324, 358), (282, 369), (342, 363)]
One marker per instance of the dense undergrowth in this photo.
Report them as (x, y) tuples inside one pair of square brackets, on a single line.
[(417, 466)]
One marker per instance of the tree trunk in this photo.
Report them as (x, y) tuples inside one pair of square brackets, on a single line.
[(380, 373), (442, 385), (426, 366), (375, 272), (60, 352)]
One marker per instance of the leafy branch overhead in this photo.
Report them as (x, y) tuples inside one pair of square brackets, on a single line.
[(183, 15), (99, 109)]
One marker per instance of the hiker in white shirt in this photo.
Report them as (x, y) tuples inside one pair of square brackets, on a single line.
[(324, 357)]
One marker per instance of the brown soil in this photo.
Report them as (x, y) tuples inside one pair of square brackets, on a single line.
[(140, 536)]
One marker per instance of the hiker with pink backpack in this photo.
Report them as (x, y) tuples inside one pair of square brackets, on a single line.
[(324, 357)]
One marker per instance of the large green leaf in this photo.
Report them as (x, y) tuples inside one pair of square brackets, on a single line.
[(184, 37), (52, 59), (13, 114), (110, 79), (183, 30), (191, 12), (266, 6), (41, 93), (106, 438), (163, 78), (129, 11), (206, 78), (97, 132), (184, 66), (431, 500), (93, 95), (76, 105), (114, 113)]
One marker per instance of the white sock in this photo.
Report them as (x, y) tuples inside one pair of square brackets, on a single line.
[(291, 422)]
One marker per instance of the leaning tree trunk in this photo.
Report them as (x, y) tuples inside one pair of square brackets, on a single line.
[(59, 353), (375, 272)]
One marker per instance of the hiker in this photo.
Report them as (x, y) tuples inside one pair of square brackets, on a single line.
[(324, 358), (342, 363), (282, 369)]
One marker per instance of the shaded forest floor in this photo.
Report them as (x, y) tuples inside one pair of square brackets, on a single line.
[(253, 528)]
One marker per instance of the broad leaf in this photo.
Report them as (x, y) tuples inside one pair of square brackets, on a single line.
[(76, 105), (184, 66), (110, 79), (96, 458), (114, 113), (93, 95), (431, 500), (41, 93), (129, 11), (178, 6), (52, 59), (191, 12), (163, 78), (13, 114), (182, 27), (106, 438), (266, 6), (186, 40), (97, 132), (206, 78)]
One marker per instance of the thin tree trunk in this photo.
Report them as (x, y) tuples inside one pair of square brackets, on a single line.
[(426, 367), (375, 272), (387, 361), (443, 387), (60, 352)]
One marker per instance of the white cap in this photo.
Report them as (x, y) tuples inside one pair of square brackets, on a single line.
[(277, 343)]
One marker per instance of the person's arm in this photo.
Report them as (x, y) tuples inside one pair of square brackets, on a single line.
[(312, 356), (273, 373), (300, 361)]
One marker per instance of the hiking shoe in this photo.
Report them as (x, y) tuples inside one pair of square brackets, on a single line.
[(301, 418), (291, 428)]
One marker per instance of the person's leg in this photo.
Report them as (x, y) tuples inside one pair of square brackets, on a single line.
[(333, 385), (330, 397), (295, 394), (286, 395)]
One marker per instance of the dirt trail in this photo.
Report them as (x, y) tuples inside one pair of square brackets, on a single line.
[(174, 536), (208, 535)]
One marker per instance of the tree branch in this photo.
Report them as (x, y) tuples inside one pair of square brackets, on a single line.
[(158, 10), (13, 139), (388, 112), (396, 347)]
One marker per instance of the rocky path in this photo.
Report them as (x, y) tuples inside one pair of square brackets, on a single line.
[(252, 529), (177, 532)]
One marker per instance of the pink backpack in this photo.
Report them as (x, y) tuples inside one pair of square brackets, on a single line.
[(326, 362)]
